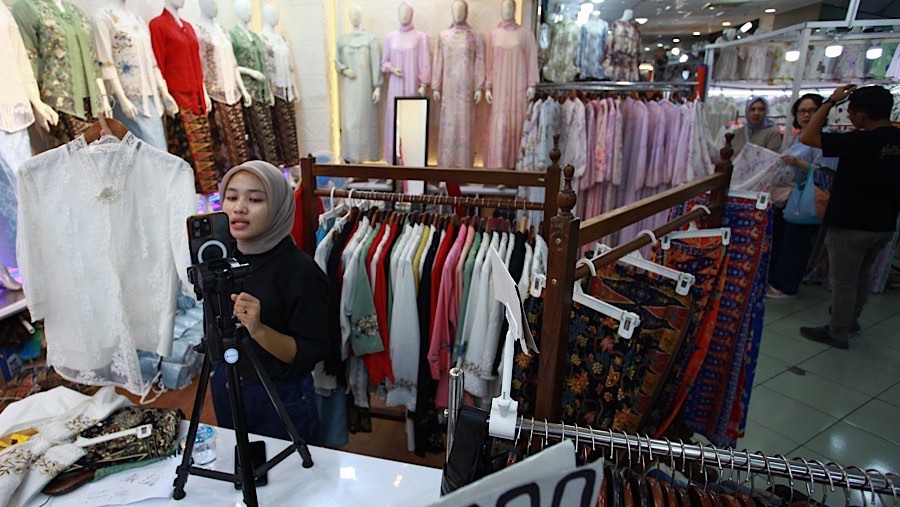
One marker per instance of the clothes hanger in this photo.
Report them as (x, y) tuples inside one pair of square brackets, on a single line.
[(683, 281), (824, 500), (762, 198), (105, 126), (790, 474), (628, 321)]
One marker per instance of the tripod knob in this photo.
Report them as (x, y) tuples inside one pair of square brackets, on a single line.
[(231, 356)]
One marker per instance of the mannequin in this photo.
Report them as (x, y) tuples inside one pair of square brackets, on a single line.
[(511, 73), (177, 53), (560, 66), (623, 51), (408, 64), (459, 72), (141, 94), (358, 61), (593, 47), (281, 76), (249, 52), (58, 37), (225, 89)]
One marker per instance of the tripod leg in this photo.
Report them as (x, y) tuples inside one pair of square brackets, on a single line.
[(299, 443), (185, 467), (245, 457)]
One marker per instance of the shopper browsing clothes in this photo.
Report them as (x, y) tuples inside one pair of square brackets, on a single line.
[(798, 235), (283, 304), (865, 201), (758, 129)]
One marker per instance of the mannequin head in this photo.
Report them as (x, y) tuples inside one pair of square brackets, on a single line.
[(244, 10), (270, 15), (174, 5), (405, 13), (209, 8), (729, 33), (460, 10), (508, 10), (628, 15), (355, 15)]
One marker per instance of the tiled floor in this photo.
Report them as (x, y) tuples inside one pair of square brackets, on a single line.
[(818, 402)]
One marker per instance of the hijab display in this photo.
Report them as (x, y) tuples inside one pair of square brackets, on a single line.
[(358, 62), (128, 66), (57, 36), (177, 53), (408, 65), (250, 53), (281, 205), (457, 80), (221, 76), (281, 77), (511, 72)]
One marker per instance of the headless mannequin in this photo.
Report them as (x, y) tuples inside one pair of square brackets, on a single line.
[(355, 22), (244, 11), (627, 15), (125, 103), (174, 7), (460, 11), (508, 13), (209, 9), (44, 115), (405, 16)]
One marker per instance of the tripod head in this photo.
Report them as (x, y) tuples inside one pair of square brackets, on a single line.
[(215, 281)]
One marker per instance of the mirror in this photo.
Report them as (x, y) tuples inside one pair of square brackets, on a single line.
[(411, 137)]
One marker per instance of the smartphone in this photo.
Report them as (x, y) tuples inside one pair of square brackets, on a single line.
[(258, 451), (210, 237)]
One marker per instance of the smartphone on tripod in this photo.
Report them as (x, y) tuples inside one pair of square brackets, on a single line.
[(258, 451)]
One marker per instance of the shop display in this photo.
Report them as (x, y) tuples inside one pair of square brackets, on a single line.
[(407, 64), (565, 42), (458, 79), (623, 52), (281, 78), (225, 88), (510, 76), (177, 53), (594, 37), (127, 63), (250, 53), (58, 40), (358, 61)]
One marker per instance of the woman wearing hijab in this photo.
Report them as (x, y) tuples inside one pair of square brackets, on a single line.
[(282, 304), (758, 129)]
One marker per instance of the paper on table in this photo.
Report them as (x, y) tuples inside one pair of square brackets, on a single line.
[(131, 486)]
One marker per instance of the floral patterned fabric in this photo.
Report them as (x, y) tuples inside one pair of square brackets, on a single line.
[(594, 35), (623, 52), (250, 52), (220, 72), (565, 40)]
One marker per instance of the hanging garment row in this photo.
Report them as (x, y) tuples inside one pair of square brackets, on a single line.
[(410, 296), (622, 148)]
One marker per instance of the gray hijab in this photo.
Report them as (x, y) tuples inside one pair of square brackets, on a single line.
[(280, 220)]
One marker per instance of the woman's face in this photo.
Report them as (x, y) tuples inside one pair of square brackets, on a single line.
[(805, 112), (246, 205), (757, 112)]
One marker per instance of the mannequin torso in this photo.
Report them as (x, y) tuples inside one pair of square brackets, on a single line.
[(177, 52), (278, 56), (18, 87), (358, 61), (220, 69), (249, 52)]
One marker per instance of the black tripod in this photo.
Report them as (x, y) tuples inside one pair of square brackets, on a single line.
[(226, 342)]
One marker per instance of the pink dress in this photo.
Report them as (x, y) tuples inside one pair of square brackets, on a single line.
[(510, 69), (458, 71), (405, 49)]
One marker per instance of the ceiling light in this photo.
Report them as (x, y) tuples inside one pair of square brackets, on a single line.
[(676, 39), (874, 53), (659, 44), (645, 67), (597, 1), (834, 50), (746, 27), (683, 58), (726, 23), (676, 51), (696, 34), (769, 11), (792, 55), (646, 49), (712, 8), (640, 21)]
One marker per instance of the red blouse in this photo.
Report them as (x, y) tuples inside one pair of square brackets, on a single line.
[(178, 56)]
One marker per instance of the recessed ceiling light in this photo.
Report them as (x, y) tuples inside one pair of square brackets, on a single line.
[(640, 21), (646, 49), (696, 34), (746, 27), (676, 39), (676, 51), (792, 55), (726, 23), (834, 50), (683, 59), (659, 44), (712, 8), (769, 11)]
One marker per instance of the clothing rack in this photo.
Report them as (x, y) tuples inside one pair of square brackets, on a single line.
[(831, 474), (601, 86)]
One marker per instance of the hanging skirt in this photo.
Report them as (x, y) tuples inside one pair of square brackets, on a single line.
[(188, 137), (262, 133), (229, 135), (286, 132)]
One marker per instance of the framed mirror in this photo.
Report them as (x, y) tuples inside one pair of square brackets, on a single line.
[(411, 137)]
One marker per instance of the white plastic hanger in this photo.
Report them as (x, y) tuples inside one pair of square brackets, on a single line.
[(683, 281), (332, 210), (762, 198), (665, 242), (628, 321), (142, 431)]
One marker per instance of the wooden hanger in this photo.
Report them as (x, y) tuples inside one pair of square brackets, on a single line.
[(104, 125)]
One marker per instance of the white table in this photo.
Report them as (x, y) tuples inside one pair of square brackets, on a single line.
[(337, 478)]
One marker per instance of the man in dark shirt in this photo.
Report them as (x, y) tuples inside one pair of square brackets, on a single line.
[(865, 200)]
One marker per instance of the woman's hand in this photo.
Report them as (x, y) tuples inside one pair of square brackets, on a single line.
[(796, 162), (246, 309)]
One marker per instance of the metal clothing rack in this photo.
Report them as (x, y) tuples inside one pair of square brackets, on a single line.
[(601, 86), (796, 469)]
